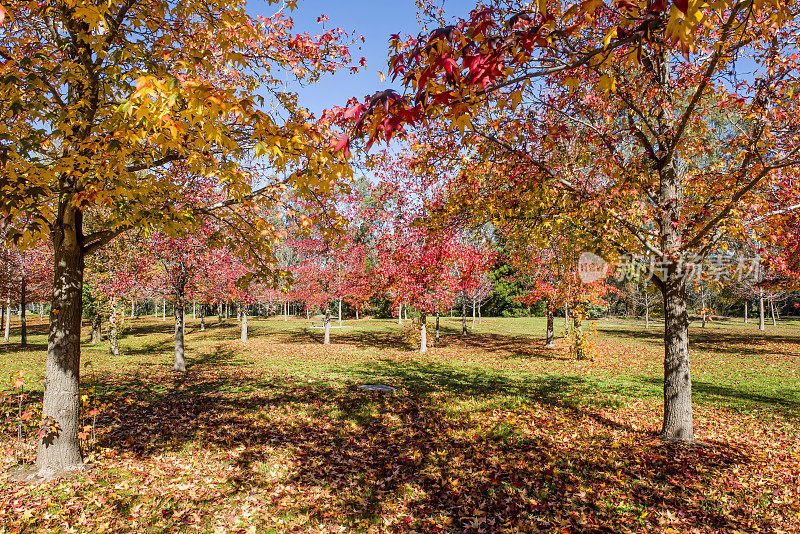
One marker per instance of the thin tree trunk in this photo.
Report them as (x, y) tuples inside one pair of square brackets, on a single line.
[(566, 317), (463, 313), (745, 311), (219, 312), (405, 312), (703, 304), (400, 314), (480, 315), (164, 309), (356, 312), (646, 314), (340, 312), (60, 451), (113, 340), (179, 310), (97, 334), (3, 316), (22, 323), (550, 337), (327, 326), (423, 334), (41, 311), (194, 309), (761, 309), (7, 328), (437, 327), (243, 314), (202, 316)]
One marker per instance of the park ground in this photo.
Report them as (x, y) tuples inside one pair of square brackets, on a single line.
[(489, 432)]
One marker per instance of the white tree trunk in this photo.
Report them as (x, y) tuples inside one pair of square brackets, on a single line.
[(745, 311), (7, 328), (327, 325), (423, 334), (400, 314), (163, 309), (761, 309), (244, 323)]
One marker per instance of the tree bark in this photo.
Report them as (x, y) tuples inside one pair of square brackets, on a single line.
[(437, 328), (113, 339), (550, 338), (23, 326), (356, 312), (423, 334), (400, 314), (179, 311), (745, 311), (59, 451), (646, 314), (678, 423), (7, 328), (340, 312), (243, 314), (463, 313), (761, 309), (96, 332), (327, 326), (566, 317), (3, 316)]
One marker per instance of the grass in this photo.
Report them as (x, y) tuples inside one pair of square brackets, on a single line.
[(488, 432)]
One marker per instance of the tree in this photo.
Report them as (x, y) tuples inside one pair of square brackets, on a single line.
[(97, 97), (673, 147)]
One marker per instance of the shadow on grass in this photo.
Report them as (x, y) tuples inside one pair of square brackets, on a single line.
[(365, 455), (711, 340), (786, 401)]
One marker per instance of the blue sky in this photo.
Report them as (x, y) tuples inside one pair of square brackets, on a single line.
[(376, 20)]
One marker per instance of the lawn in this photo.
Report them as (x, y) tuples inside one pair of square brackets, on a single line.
[(489, 432)]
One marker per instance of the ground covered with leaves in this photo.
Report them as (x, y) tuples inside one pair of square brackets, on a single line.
[(487, 433)]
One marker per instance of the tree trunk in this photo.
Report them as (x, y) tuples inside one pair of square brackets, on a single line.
[(463, 313), (3, 316), (164, 309), (23, 326), (179, 311), (566, 317), (646, 315), (550, 338), (356, 312), (194, 309), (96, 332), (761, 309), (423, 334), (745, 311), (60, 451), (7, 328), (678, 423), (202, 317), (437, 327), (243, 314), (340, 312), (400, 314), (113, 339), (41, 311), (480, 315), (327, 326)]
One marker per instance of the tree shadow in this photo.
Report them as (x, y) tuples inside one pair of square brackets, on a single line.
[(782, 401), (364, 454)]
